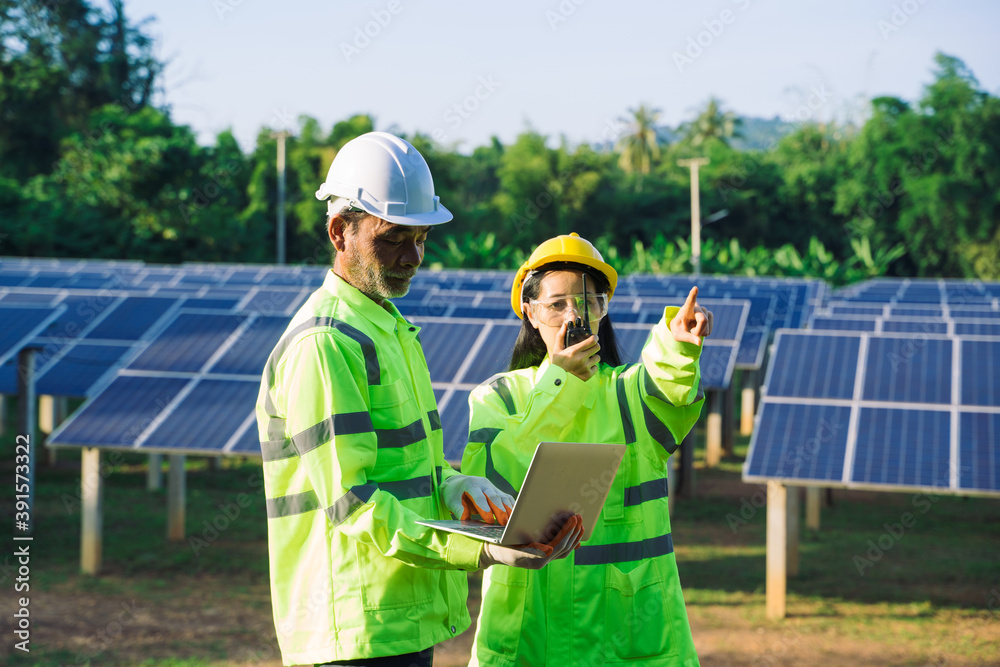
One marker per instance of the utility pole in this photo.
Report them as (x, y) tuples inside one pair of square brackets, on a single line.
[(693, 164), (281, 136)]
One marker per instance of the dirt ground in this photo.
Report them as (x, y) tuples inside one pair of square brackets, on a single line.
[(215, 621), (202, 618)]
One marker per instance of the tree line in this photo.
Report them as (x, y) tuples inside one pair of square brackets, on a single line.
[(90, 166)]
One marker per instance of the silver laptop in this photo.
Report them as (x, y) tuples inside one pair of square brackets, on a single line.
[(563, 478)]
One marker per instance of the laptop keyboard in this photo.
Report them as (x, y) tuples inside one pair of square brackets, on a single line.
[(484, 530)]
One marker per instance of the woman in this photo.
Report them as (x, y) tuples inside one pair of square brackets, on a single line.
[(617, 598)]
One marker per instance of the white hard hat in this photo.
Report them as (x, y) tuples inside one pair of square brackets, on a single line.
[(385, 176)]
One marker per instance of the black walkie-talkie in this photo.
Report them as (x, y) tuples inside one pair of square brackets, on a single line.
[(580, 329)]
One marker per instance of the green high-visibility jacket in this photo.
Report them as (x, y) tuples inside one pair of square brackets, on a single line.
[(617, 598), (353, 456)]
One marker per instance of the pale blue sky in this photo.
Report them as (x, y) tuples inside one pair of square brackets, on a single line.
[(469, 70)]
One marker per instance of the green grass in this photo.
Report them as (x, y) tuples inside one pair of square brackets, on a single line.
[(927, 594)]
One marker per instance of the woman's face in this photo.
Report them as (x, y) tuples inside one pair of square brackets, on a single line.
[(555, 304)]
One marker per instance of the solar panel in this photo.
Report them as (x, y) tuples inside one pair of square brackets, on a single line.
[(188, 342), (446, 344), (494, 355), (903, 447), (814, 366), (908, 370), (972, 328), (22, 324), (842, 324), (896, 411), (132, 318), (980, 379), (455, 424), (799, 442), (80, 368), (205, 418), (910, 326), (118, 415), (978, 435)]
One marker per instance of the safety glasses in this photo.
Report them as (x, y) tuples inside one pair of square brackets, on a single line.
[(555, 311)]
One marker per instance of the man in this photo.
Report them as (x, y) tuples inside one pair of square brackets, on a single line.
[(352, 445)]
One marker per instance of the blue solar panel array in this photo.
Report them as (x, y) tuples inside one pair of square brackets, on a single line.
[(870, 410), (132, 329)]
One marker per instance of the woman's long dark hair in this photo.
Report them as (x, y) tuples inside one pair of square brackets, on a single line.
[(529, 348)]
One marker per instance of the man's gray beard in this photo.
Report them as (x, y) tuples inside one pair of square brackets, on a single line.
[(373, 282)]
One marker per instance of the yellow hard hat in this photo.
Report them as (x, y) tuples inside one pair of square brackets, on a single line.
[(564, 248)]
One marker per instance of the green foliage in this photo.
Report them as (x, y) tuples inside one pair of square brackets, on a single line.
[(89, 167)]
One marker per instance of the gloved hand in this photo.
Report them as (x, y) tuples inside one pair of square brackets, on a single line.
[(535, 556), (466, 497)]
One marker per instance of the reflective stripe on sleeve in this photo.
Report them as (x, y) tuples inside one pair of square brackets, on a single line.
[(348, 423), (297, 503), (502, 387), (658, 430), (307, 501), (372, 369), (434, 417), (627, 427), (487, 436), (623, 552)]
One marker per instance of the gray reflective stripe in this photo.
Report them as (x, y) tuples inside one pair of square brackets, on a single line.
[(627, 426), (418, 487), (367, 347), (350, 501), (402, 436), (487, 436), (651, 490), (434, 417), (438, 472), (623, 552), (658, 430), (348, 423), (275, 427), (275, 450), (651, 387), (502, 387), (298, 503)]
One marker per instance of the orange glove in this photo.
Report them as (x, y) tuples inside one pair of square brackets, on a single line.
[(476, 498), (574, 523), (470, 509)]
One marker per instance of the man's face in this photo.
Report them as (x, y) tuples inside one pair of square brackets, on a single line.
[(380, 258)]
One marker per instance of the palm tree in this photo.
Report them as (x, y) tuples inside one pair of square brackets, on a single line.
[(712, 123), (641, 144)]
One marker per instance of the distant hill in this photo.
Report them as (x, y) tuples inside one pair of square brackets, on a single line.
[(758, 134)]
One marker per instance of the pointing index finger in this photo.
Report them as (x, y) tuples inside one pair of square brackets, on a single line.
[(689, 304)]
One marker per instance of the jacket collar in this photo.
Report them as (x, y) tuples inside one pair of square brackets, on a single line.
[(384, 318)]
